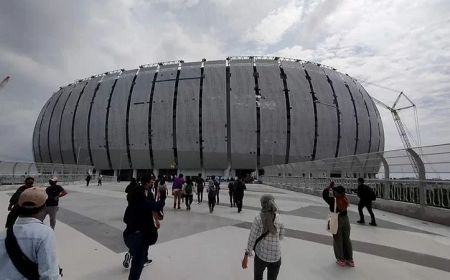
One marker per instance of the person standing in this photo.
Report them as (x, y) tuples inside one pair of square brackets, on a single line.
[(239, 193), (27, 250), (200, 186), (341, 240), (140, 231), (99, 180), (177, 185), (211, 195), (365, 200), (13, 207), (54, 192), (231, 192), (264, 239), (188, 193)]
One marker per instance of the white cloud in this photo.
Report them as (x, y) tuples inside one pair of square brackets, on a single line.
[(272, 27)]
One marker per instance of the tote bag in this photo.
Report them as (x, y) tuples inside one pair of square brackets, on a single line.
[(332, 222)]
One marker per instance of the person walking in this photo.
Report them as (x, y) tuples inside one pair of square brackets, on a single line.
[(211, 195), (13, 207), (177, 185), (200, 186), (264, 239), (217, 184), (54, 192), (88, 179), (341, 240), (188, 193), (140, 231), (239, 193), (231, 188), (366, 196), (162, 190), (100, 180), (27, 249)]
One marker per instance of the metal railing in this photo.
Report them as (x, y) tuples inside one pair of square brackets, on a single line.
[(13, 173), (390, 174)]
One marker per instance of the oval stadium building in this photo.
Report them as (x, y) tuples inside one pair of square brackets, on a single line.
[(217, 117)]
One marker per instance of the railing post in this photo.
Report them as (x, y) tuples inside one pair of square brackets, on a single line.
[(421, 168)]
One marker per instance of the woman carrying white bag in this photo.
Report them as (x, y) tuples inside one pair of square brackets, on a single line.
[(335, 196)]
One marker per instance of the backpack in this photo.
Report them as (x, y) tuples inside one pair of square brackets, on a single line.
[(188, 189)]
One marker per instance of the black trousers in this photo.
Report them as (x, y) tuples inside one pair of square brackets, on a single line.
[(188, 200), (368, 205), (238, 201), (199, 195), (211, 202), (231, 199), (272, 269), (138, 250)]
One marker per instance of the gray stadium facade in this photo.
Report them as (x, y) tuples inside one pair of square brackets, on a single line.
[(215, 117)]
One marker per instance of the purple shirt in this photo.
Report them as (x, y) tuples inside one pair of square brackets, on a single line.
[(177, 183)]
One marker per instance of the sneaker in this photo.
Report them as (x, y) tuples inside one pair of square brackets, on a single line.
[(341, 263), (350, 263), (373, 224), (361, 222), (126, 261)]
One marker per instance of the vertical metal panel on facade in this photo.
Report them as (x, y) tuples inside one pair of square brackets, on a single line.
[(326, 113), (273, 116), (373, 115), (81, 122), (242, 115), (36, 133), (138, 119), (53, 139), (43, 133), (117, 121), (363, 120), (302, 112), (187, 122), (214, 115), (98, 122), (347, 113), (66, 124), (162, 116)]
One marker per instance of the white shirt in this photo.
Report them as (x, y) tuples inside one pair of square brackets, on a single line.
[(37, 242), (268, 249)]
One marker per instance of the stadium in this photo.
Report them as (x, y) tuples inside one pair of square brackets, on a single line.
[(220, 117)]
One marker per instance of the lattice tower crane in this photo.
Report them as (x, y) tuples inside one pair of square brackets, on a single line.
[(399, 124)]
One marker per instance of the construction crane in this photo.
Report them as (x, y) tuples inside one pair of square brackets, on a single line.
[(399, 124), (4, 82)]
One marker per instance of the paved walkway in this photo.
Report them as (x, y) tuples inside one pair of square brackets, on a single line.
[(199, 245)]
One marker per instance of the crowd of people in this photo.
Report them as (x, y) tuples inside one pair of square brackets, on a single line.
[(27, 249)]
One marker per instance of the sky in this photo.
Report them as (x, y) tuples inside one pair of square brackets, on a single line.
[(389, 46)]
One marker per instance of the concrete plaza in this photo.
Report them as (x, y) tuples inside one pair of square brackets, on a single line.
[(200, 245)]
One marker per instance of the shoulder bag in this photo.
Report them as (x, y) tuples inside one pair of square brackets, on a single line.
[(332, 222)]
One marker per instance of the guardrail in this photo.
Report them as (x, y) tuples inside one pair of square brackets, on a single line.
[(437, 192)]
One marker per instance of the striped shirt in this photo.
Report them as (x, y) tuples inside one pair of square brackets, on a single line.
[(268, 249)]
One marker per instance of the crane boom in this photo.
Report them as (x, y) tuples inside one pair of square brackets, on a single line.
[(399, 124)]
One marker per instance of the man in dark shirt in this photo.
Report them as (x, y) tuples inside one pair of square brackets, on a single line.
[(13, 208), (54, 192), (231, 188), (365, 200), (200, 186), (239, 193), (140, 231)]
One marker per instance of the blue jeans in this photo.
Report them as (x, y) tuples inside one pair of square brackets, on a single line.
[(138, 250)]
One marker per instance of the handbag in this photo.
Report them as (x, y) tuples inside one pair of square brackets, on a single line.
[(333, 222)]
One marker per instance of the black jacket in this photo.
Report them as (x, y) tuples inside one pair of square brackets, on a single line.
[(138, 216), (364, 193)]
